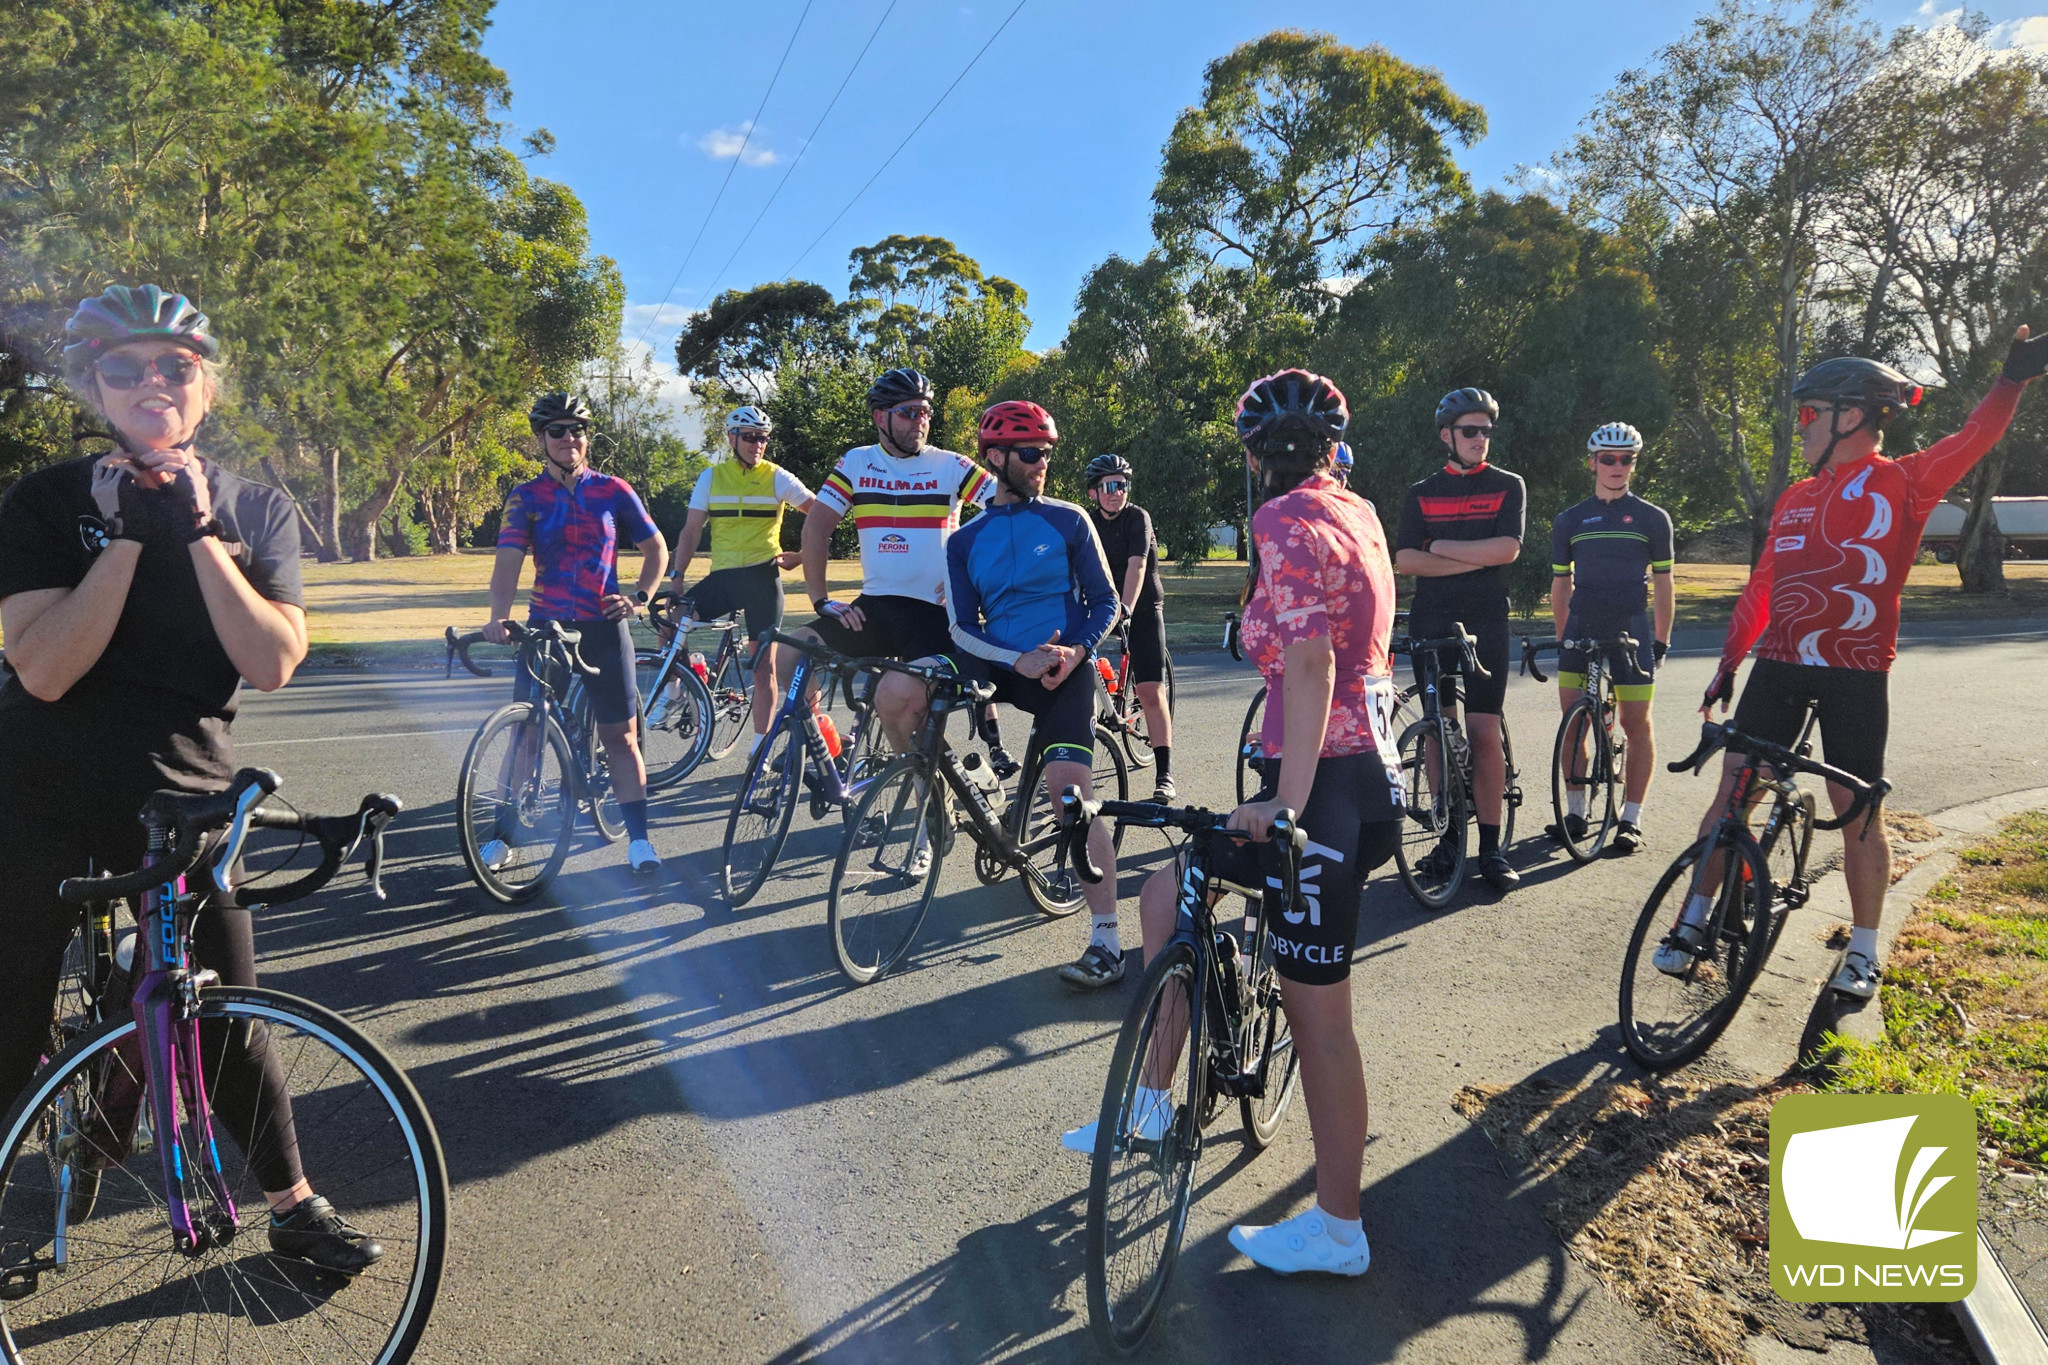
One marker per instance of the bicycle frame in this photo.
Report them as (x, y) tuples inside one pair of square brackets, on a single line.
[(838, 791)]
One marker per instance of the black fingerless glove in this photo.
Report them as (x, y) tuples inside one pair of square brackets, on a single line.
[(1721, 689), (1658, 649), (2027, 359)]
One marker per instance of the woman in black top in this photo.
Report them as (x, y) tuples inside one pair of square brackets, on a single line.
[(137, 589)]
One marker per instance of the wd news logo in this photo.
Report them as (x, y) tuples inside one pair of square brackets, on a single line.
[(1873, 1198)]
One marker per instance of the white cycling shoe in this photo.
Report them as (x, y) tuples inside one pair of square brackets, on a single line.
[(640, 853), (1302, 1243), (1154, 1118), (1676, 958), (495, 854), (1858, 977)]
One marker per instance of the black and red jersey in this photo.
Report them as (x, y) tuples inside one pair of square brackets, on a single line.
[(1456, 504), (1826, 591)]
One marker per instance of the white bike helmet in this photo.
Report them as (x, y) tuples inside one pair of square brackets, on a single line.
[(1614, 436), (749, 417)]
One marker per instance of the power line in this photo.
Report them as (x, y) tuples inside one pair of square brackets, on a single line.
[(737, 158), (748, 236), (906, 141)]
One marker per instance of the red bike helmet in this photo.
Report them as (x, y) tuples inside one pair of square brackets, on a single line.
[(1015, 422)]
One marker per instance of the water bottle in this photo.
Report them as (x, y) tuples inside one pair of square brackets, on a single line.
[(700, 667), (828, 732), (982, 778), (1108, 675)]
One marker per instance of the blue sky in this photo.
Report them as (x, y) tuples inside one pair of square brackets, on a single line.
[(1041, 162)]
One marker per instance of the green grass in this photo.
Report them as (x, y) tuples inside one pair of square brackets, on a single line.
[(1965, 994)]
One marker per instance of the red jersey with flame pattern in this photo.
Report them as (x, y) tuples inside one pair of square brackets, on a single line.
[(1826, 590)]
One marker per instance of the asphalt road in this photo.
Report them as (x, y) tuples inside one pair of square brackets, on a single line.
[(674, 1134)]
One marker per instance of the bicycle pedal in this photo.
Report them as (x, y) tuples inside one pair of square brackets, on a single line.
[(21, 1273)]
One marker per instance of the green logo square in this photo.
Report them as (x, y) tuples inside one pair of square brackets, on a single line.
[(1873, 1198)]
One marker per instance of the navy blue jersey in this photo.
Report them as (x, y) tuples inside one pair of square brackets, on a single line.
[(1610, 549), (1022, 570)]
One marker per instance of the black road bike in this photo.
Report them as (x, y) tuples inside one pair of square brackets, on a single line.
[(533, 767), (1756, 880), (1591, 752), (1124, 716), (1207, 1027), (902, 830), (1436, 837)]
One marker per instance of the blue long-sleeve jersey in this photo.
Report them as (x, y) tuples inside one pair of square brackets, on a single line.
[(1022, 570)]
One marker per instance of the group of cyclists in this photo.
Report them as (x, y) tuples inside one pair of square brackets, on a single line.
[(139, 588)]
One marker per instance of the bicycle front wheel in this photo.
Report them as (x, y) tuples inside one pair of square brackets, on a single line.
[(1269, 1043), (1254, 719), (732, 697), (887, 870), (1147, 1143), (514, 815), (761, 812), (1582, 761), (109, 1287), (1431, 854), (1054, 890), (675, 719), (1672, 1011)]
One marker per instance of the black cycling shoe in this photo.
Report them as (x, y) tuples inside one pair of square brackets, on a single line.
[(314, 1233), (1441, 860), (1574, 829), (1627, 839), (1498, 874), (1002, 765)]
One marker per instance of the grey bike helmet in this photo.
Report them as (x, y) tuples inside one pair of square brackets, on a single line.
[(557, 407), (125, 313)]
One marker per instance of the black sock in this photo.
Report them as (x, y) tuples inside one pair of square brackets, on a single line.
[(636, 817), (991, 733), (1164, 758), (1489, 840)]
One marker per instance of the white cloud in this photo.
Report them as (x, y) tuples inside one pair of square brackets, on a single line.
[(740, 140), (2028, 35)]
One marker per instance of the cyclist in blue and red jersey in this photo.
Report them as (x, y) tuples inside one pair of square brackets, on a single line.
[(1823, 600), (1029, 598), (571, 519)]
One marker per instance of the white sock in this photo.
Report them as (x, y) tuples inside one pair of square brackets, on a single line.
[(1575, 801), (756, 745), (1632, 812), (1863, 941), (1344, 1231), (1104, 933), (1696, 908)]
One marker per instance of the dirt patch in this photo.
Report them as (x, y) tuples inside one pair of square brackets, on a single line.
[(1661, 1188)]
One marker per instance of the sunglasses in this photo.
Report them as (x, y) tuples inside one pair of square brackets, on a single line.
[(1028, 454), (752, 438), (1475, 433), (1623, 460), (558, 430), (1115, 485), (126, 372), (912, 411)]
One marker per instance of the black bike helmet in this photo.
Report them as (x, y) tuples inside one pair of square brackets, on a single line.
[(900, 385), (1464, 402), (1106, 467), (1289, 408), (557, 407), (125, 313), (1865, 383)]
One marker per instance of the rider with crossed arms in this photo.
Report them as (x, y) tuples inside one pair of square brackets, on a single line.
[(1824, 601)]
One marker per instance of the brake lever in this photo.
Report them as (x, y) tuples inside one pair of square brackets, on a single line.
[(375, 821), (1284, 827), (1075, 820), (1530, 669), (1878, 794)]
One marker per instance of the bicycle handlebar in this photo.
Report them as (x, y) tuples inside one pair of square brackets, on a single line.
[(1531, 647), (1078, 813), (1869, 796), (665, 610), (1459, 639), (1233, 645), (192, 819), (458, 648)]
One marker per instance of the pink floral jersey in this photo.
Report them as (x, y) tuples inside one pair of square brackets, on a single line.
[(1324, 571)]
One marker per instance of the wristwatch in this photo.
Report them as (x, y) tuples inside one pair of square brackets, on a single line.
[(640, 597), (210, 527), (818, 605)]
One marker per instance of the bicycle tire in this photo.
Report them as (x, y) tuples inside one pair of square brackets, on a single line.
[(1785, 848), (891, 819), (1598, 781), (1254, 718), (1056, 892), (732, 695), (1272, 1041), (359, 1111), (762, 808), (1736, 949), (1510, 787), (1176, 973), (594, 793), (1435, 817), (675, 732), (542, 812)]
